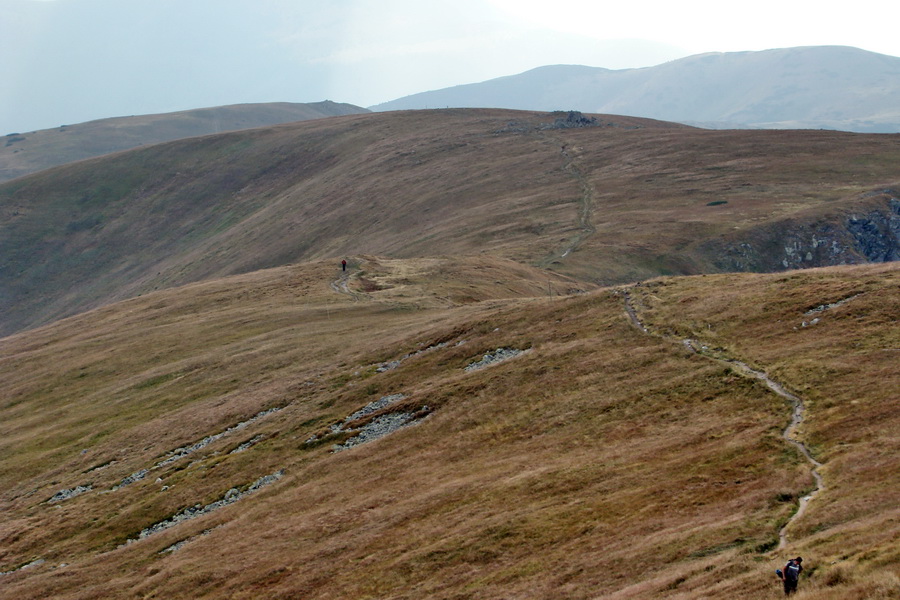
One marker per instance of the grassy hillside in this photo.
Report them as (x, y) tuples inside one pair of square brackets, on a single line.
[(24, 153), (621, 201), (552, 473)]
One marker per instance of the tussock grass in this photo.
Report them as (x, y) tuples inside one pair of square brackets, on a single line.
[(602, 463), (843, 366)]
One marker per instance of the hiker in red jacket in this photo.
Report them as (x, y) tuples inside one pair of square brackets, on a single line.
[(343, 265)]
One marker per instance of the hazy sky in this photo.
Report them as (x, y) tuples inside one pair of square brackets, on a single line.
[(69, 61)]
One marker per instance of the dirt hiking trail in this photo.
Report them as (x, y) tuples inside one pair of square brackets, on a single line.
[(789, 433), (341, 285)]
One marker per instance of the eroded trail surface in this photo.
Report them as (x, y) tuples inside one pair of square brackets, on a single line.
[(789, 433), (572, 165), (790, 438), (341, 286)]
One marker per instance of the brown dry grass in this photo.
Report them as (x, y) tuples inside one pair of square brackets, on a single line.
[(610, 204), (26, 153), (550, 475), (844, 366)]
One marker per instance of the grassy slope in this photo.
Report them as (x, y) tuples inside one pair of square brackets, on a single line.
[(844, 366), (669, 201), (549, 475), (616, 203), (24, 153)]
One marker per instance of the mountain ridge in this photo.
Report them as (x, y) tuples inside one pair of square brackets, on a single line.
[(25, 153), (608, 200), (813, 87)]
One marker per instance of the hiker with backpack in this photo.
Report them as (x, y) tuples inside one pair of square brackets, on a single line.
[(790, 575)]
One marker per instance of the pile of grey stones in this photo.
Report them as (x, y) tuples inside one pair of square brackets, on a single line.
[(498, 355), (68, 494), (367, 410), (377, 427)]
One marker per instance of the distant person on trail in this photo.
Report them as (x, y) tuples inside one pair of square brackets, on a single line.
[(791, 575), (343, 265)]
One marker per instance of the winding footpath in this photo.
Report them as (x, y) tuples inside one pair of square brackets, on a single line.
[(790, 431), (341, 285), (789, 437)]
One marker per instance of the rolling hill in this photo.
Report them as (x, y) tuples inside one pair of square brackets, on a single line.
[(817, 87), (24, 153), (445, 428), (602, 199)]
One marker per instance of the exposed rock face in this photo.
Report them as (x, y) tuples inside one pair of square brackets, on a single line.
[(877, 233), (870, 235)]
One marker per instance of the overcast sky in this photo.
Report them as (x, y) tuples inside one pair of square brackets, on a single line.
[(69, 61)]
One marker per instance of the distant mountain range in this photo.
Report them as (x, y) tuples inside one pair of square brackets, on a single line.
[(23, 153), (818, 87)]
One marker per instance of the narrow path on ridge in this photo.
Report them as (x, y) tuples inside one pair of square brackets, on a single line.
[(585, 202), (789, 434), (587, 206), (341, 285)]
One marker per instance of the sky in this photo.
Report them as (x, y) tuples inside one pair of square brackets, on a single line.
[(70, 61)]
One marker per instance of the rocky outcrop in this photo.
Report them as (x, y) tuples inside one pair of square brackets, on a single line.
[(230, 497), (393, 364), (179, 453), (372, 429), (35, 563), (877, 234), (871, 234), (378, 428), (68, 494), (498, 355), (368, 409), (571, 120)]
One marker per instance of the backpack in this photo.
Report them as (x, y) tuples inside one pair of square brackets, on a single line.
[(792, 572)]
